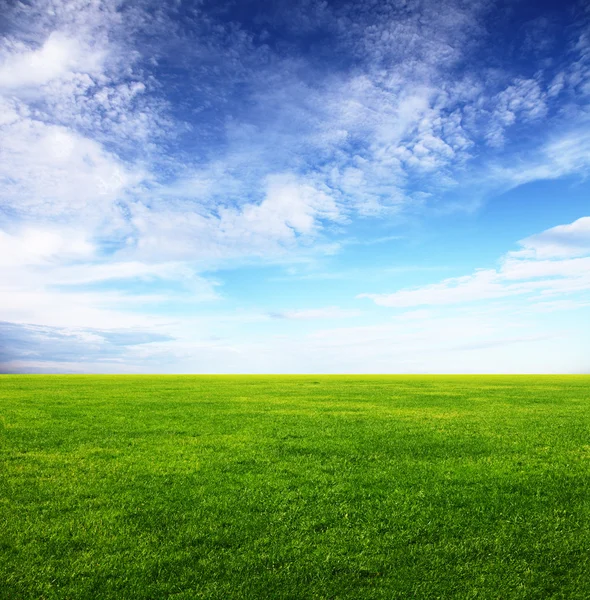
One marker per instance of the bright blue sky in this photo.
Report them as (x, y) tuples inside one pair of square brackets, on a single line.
[(295, 186)]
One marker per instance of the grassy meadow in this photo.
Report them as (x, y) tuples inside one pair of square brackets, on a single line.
[(294, 487)]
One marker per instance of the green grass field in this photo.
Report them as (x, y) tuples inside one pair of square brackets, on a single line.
[(129, 487)]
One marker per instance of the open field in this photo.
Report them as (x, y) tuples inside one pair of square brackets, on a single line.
[(296, 487)]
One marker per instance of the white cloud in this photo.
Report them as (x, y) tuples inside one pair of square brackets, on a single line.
[(522, 272), (289, 208), (388, 138), (558, 242), (559, 305), (485, 284), (106, 178), (57, 277), (59, 56), (291, 211), (49, 170), (37, 246), (79, 309), (522, 100)]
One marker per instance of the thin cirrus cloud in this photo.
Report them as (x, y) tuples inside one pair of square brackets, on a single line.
[(556, 261)]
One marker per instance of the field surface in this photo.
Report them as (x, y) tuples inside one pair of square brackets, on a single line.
[(299, 487)]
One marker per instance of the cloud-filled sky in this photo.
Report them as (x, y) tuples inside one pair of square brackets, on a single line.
[(295, 186)]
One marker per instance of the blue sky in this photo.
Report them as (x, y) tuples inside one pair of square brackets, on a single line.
[(284, 187)]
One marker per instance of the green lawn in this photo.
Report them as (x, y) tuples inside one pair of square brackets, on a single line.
[(358, 487)]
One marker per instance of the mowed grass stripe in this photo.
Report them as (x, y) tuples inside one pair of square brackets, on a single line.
[(294, 487)]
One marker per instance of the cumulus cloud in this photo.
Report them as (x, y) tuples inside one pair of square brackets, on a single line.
[(291, 211), (50, 170), (23, 67), (89, 124)]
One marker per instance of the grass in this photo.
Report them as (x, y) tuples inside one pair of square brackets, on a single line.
[(294, 487)]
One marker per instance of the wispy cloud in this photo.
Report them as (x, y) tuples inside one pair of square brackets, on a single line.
[(90, 122), (544, 267)]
